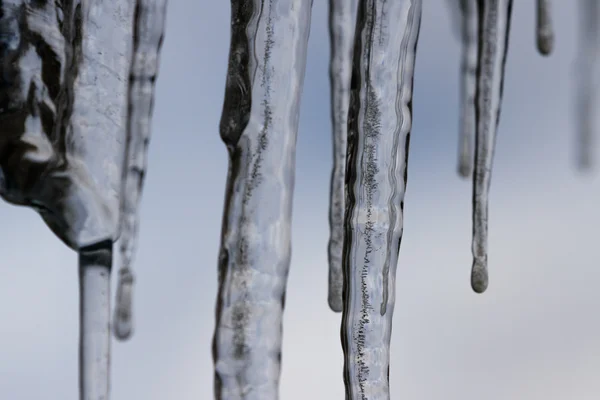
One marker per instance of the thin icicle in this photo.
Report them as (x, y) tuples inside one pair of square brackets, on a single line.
[(342, 19), (259, 126), (544, 29), (468, 85), (588, 66), (95, 264), (494, 30), (379, 125), (148, 33)]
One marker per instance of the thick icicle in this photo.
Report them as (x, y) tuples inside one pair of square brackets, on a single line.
[(468, 75), (586, 104), (62, 106), (544, 29), (494, 30), (379, 125), (342, 19), (95, 264), (148, 33), (259, 126)]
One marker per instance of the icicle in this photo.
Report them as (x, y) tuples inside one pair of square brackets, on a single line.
[(62, 106), (379, 125), (544, 30), (468, 74), (494, 30), (342, 18), (148, 33), (587, 82), (259, 126), (95, 264)]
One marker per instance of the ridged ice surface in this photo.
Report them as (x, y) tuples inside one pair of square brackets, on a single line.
[(494, 29), (259, 126), (342, 19), (148, 33), (62, 104), (588, 67), (61, 149), (380, 120)]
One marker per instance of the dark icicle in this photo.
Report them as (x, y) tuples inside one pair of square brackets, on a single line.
[(379, 125), (494, 30), (544, 29), (259, 126), (148, 33), (587, 82), (342, 19)]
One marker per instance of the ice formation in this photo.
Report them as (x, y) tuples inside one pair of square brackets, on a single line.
[(76, 100)]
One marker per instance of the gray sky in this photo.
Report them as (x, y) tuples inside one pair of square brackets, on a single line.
[(533, 335)]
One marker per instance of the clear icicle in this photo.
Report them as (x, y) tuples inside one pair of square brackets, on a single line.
[(95, 263), (379, 125), (342, 19), (588, 67), (468, 73), (148, 33), (544, 29), (259, 126), (494, 30)]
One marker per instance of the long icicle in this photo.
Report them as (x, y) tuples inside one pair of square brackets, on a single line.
[(380, 120), (95, 264), (342, 19), (494, 30), (148, 34), (259, 126), (587, 64), (468, 85), (544, 29)]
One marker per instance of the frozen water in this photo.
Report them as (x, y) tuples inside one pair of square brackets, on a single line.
[(544, 30), (468, 22), (588, 66), (379, 125), (342, 18), (259, 125), (148, 33), (76, 99), (494, 30)]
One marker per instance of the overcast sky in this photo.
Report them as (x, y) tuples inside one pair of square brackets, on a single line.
[(535, 334)]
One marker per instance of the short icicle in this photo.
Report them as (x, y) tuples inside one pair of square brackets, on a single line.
[(342, 19), (380, 120), (95, 264), (494, 30), (259, 126), (544, 29), (468, 76), (148, 33), (588, 66)]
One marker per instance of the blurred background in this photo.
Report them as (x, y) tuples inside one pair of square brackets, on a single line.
[(535, 334)]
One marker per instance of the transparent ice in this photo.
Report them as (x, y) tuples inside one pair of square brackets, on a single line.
[(76, 101)]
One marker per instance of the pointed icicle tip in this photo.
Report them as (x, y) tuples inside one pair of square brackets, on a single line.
[(123, 319), (479, 276)]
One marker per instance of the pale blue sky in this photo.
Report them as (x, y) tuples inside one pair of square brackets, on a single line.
[(533, 335)]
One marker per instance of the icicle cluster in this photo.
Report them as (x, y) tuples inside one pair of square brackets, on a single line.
[(373, 43), (76, 99), (65, 70)]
